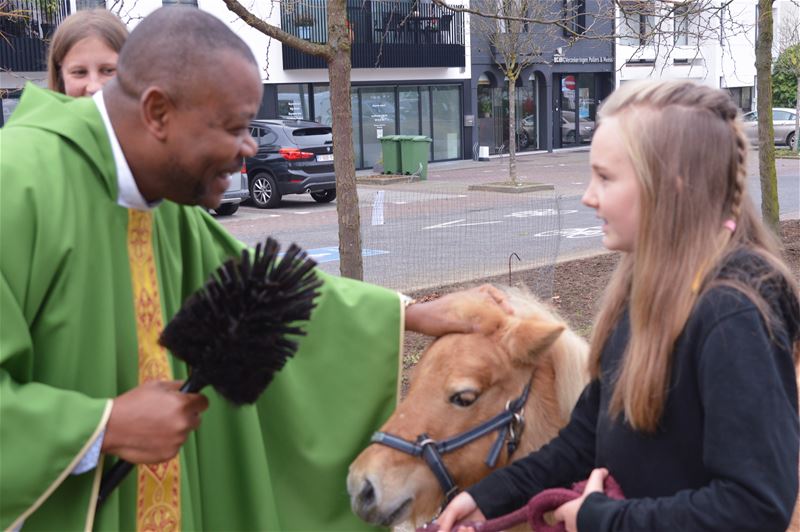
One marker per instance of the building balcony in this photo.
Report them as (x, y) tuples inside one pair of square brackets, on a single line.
[(384, 35), (25, 29)]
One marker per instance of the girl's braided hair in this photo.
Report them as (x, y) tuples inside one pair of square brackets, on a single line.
[(688, 149)]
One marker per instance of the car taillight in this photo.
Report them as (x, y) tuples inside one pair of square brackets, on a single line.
[(244, 167), (294, 154)]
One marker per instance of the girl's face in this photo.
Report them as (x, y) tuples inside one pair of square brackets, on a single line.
[(88, 65), (613, 189)]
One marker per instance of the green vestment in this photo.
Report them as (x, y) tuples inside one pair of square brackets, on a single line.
[(68, 345)]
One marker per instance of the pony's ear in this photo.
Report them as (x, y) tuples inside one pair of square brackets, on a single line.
[(531, 336)]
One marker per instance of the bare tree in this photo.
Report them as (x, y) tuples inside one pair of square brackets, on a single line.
[(336, 52), (766, 137), (514, 47)]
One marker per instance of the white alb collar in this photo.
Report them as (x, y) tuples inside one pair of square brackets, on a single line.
[(129, 195)]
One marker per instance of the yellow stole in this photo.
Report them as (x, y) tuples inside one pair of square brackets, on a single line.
[(158, 496)]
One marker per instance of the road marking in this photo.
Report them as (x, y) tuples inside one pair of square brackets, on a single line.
[(331, 254), (459, 223), (575, 232), (538, 212), (301, 212)]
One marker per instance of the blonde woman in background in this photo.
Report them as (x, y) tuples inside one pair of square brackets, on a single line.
[(83, 52)]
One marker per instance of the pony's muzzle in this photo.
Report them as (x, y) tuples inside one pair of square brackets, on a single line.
[(366, 503)]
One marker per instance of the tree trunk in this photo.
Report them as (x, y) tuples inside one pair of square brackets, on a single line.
[(766, 132), (339, 67), (797, 114), (512, 133)]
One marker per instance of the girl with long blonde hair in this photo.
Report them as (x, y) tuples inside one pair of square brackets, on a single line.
[(693, 404)]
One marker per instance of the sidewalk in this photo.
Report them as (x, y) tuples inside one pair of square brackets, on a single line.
[(567, 170)]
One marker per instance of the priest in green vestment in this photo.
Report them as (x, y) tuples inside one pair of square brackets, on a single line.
[(99, 246)]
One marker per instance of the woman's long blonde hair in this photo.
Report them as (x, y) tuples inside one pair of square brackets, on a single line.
[(90, 23), (689, 152)]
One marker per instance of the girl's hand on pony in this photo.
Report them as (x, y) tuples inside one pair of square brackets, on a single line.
[(568, 512), (461, 508), (441, 316)]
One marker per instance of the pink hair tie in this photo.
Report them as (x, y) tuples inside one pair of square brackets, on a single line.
[(730, 225)]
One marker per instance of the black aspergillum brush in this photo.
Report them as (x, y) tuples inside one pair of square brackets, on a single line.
[(234, 332)]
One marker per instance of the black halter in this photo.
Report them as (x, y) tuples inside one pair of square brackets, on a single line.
[(509, 425)]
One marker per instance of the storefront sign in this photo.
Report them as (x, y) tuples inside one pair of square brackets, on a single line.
[(582, 60)]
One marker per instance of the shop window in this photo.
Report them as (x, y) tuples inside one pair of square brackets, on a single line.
[(408, 111), (322, 104), (446, 109), (378, 118), (293, 102)]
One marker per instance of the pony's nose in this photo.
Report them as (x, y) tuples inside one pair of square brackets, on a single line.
[(366, 497)]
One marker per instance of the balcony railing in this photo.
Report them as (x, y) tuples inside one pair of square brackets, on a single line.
[(384, 34), (25, 31)]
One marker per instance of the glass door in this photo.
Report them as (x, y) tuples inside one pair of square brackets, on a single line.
[(569, 115)]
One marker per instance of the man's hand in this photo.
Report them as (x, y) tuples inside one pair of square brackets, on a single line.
[(462, 508), (568, 512), (439, 317), (149, 424)]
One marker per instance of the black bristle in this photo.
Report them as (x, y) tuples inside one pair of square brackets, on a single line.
[(235, 333)]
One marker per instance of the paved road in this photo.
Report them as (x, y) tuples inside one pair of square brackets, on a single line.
[(436, 232)]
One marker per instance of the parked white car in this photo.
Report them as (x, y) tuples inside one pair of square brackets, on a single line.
[(782, 120)]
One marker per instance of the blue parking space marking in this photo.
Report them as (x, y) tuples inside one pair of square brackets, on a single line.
[(332, 254)]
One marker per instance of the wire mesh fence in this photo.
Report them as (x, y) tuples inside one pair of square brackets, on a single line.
[(414, 241), (419, 240)]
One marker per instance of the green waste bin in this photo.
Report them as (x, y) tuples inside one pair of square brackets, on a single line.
[(390, 149), (415, 150)]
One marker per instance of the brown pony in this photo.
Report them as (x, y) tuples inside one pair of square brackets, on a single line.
[(461, 381)]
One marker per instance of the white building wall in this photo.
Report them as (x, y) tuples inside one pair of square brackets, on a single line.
[(712, 59)]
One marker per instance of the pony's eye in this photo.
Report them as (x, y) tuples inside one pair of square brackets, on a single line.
[(464, 398)]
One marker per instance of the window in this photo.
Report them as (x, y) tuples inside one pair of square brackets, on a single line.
[(636, 23), (182, 2), (681, 24), (264, 136), (293, 102), (743, 98), (781, 115), (574, 13)]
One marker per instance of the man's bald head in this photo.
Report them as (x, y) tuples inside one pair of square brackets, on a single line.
[(179, 49)]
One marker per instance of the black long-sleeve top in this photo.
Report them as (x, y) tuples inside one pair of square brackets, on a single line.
[(725, 454)]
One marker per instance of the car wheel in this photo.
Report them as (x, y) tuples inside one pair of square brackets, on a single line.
[(570, 137), (324, 196), (227, 209), (790, 141), (264, 191)]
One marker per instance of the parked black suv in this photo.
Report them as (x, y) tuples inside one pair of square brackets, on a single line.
[(294, 157)]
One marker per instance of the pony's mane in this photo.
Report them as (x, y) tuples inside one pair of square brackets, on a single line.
[(570, 353)]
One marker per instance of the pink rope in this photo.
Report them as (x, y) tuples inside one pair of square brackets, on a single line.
[(533, 512)]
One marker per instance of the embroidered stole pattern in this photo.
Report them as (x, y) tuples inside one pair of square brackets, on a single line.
[(158, 496)]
